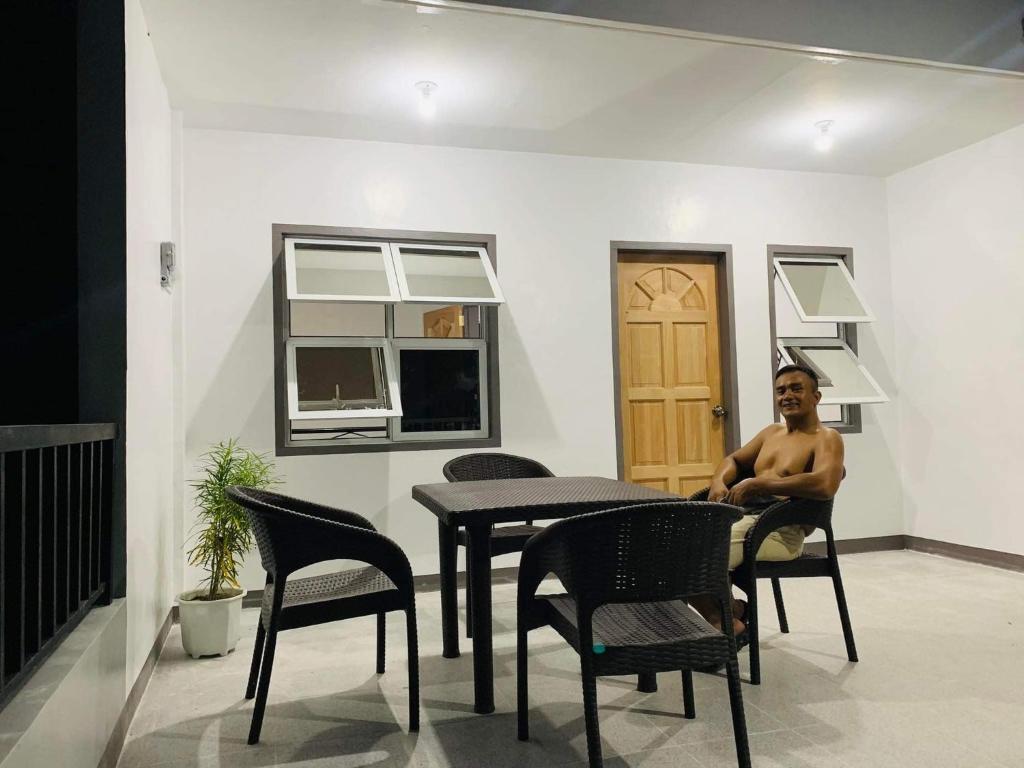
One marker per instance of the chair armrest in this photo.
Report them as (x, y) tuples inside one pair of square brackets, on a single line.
[(795, 511), (308, 539), (544, 553)]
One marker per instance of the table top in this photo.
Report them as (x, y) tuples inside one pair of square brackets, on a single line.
[(498, 501)]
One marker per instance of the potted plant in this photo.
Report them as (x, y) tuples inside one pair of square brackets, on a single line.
[(211, 615)]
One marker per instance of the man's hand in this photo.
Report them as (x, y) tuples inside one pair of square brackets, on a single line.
[(743, 490), (718, 491)]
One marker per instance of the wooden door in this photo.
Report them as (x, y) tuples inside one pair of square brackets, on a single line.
[(670, 375), (443, 323)]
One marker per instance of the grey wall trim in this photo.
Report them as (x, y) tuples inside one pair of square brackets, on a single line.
[(282, 319), (131, 704), (671, 252), (1005, 560), (856, 546), (851, 413)]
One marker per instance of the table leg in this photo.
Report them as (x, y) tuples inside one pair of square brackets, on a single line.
[(647, 682), (449, 586), (483, 647)]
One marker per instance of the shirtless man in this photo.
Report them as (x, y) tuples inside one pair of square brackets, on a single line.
[(799, 458)]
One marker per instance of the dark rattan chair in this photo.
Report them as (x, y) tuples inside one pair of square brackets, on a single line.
[(504, 539), (292, 534), (626, 572), (793, 511)]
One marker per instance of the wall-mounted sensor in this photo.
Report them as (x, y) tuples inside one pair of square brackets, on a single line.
[(166, 263)]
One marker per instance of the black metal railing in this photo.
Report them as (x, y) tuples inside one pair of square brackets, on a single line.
[(55, 524)]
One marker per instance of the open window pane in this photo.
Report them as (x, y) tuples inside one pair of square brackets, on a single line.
[(822, 290), (337, 270), (443, 391), (788, 322), (438, 321), (848, 380), (341, 379), (445, 274), (338, 431)]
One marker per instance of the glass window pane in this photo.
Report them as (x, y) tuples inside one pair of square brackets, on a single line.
[(437, 321), (340, 270), (328, 318), (830, 414), (339, 430), (788, 322), (822, 289), (452, 273), (440, 390), (848, 380), (339, 378)]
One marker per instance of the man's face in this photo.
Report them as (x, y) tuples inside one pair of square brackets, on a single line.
[(795, 394)]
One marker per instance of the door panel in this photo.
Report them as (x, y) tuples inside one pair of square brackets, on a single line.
[(669, 373)]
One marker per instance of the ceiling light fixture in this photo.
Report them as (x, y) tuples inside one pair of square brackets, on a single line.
[(824, 140), (428, 102)]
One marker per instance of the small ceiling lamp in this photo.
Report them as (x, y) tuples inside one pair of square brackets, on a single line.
[(824, 140), (428, 102)]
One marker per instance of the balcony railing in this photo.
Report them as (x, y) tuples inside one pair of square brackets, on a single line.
[(55, 525)]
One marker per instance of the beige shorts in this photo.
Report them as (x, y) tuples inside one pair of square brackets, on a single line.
[(784, 544)]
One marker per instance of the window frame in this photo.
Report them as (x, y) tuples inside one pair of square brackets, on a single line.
[(802, 313), (814, 342), (403, 279), (291, 282), (489, 316), (389, 378), (852, 421), (480, 345)]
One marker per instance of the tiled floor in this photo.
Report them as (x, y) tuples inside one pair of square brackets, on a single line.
[(940, 683)]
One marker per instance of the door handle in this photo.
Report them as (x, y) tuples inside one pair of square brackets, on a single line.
[(719, 411)]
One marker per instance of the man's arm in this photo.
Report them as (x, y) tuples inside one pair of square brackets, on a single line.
[(729, 469), (822, 482)]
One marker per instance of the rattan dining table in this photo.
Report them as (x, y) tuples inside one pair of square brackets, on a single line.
[(478, 505)]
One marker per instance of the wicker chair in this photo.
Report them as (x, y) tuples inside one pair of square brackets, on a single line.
[(626, 572), (504, 539), (795, 511), (292, 534)]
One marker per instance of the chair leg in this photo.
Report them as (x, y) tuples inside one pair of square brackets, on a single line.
[(522, 680), (844, 613), (257, 658), (590, 715), (753, 640), (381, 634), (689, 710), (414, 666), (739, 723), (263, 688), (469, 596), (780, 606)]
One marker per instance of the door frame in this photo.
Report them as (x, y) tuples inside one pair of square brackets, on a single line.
[(674, 253)]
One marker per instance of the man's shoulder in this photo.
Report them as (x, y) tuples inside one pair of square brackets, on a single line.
[(829, 435)]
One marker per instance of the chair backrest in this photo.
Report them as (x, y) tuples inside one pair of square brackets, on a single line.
[(281, 525), (493, 466), (643, 553)]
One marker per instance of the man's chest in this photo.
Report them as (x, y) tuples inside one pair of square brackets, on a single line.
[(786, 454)]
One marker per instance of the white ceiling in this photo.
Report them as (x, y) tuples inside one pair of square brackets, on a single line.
[(347, 68)]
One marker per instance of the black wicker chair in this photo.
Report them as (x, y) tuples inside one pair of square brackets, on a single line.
[(504, 539), (292, 534), (626, 572), (795, 511)]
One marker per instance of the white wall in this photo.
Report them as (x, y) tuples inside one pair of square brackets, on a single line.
[(149, 439), (553, 217), (957, 229)]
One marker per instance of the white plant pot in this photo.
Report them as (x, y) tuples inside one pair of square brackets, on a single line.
[(210, 627)]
